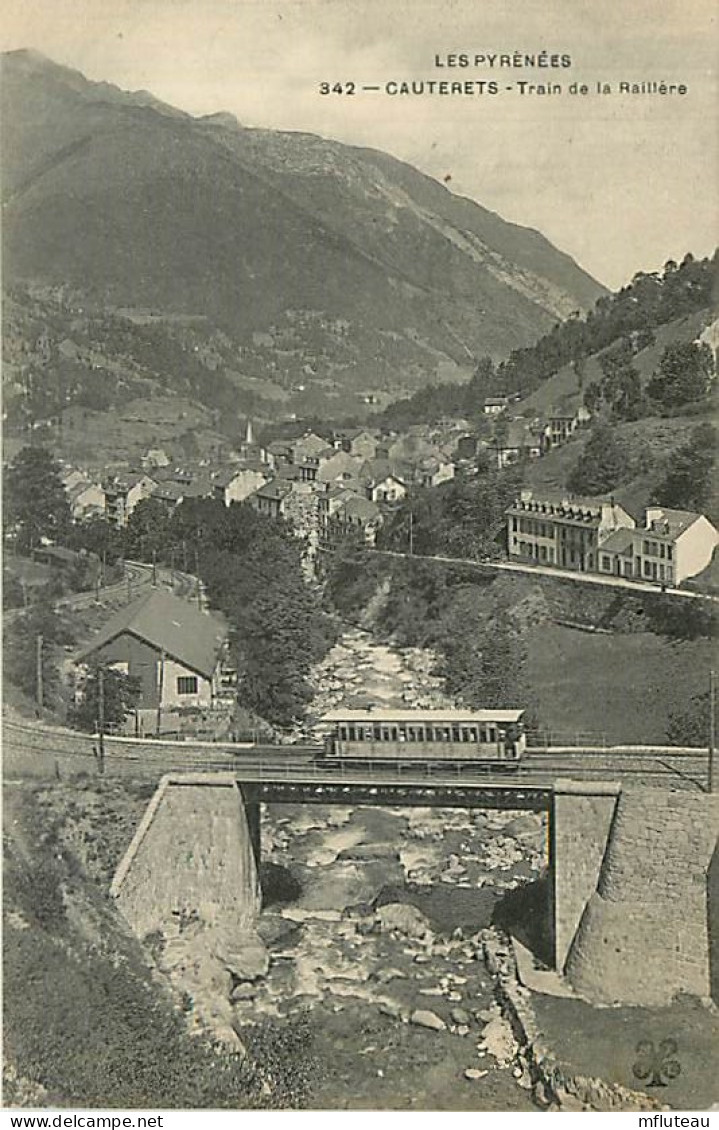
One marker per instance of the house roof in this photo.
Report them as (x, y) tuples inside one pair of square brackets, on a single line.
[(169, 491), (669, 522), (127, 481), (279, 447), (340, 461), (276, 489), (227, 475), (308, 444), (167, 623), (389, 475), (400, 714), (619, 541)]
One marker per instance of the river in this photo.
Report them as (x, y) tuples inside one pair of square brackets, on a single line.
[(373, 919)]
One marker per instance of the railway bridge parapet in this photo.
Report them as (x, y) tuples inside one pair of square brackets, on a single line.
[(197, 852)]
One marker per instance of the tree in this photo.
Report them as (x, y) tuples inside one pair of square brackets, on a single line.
[(687, 483), (603, 464), (685, 373), (121, 694), (620, 387), (147, 530), (35, 501), (20, 645)]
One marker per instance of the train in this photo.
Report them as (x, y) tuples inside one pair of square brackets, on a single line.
[(489, 738)]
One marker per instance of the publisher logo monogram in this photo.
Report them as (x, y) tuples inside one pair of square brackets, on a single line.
[(657, 1064)]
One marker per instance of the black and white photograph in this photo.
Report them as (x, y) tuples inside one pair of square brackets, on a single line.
[(360, 558)]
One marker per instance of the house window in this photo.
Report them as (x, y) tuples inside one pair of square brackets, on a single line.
[(187, 684), (606, 562)]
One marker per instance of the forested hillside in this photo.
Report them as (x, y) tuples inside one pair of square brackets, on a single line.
[(619, 327)]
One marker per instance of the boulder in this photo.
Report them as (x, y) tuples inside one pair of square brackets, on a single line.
[(245, 991), (484, 1015), (275, 930), (498, 1040), (460, 1016), (245, 956), (389, 974), (424, 1018), (369, 851), (207, 978), (391, 1009), (475, 1073), (404, 918)]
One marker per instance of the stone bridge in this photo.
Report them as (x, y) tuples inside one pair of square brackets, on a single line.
[(633, 871)]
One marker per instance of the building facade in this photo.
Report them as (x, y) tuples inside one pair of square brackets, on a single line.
[(671, 547), (562, 531), (178, 654)]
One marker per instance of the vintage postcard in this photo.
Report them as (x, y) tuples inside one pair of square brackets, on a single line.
[(360, 564)]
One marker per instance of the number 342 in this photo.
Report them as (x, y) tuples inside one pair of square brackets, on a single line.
[(337, 88)]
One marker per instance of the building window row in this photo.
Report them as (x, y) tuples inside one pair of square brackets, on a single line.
[(657, 549)]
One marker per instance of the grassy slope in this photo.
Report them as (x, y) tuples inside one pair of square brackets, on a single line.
[(87, 1020), (622, 685), (650, 441), (563, 389)]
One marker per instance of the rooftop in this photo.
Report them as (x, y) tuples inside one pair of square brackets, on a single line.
[(398, 714), (619, 541), (170, 625), (661, 520)]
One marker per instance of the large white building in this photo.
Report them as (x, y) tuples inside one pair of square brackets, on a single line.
[(671, 547), (560, 530)]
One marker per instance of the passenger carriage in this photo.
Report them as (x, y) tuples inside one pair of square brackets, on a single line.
[(484, 737)]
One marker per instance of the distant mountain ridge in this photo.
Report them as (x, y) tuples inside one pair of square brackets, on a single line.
[(355, 269)]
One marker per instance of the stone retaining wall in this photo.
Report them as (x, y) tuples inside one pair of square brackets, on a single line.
[(553, 1086), (191, 858), (644, 936)]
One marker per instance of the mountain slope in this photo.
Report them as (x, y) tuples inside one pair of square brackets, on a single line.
[(365, 271)]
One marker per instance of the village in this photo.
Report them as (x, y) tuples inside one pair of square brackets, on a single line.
[(338, 488)]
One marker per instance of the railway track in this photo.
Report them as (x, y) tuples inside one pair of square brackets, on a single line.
[(30, 746)]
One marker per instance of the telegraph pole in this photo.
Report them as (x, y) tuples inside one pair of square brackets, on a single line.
[(160, 691), (101, 716), (38, 671), (411, 533), (712, 730), (154, 567)]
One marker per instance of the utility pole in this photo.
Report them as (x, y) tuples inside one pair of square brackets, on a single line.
[(712, 729), (101, 716), (154, 567), (38, 670), (197, 575), (411, 533), (160, 692)]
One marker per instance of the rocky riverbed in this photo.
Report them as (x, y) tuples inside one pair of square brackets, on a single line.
[(373, 922)]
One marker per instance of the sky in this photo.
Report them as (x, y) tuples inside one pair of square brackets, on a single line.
[(622, 182)]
